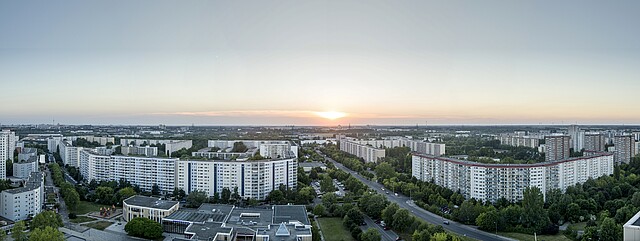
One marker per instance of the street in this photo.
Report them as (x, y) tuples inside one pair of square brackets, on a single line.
[(406, 203)]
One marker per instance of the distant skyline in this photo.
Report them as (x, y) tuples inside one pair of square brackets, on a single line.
[(280, 63)]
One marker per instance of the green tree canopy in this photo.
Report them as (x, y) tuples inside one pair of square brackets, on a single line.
[(17, 232), (371, 234), (196, 198), (144, 228), (47, 219), (46, 234)]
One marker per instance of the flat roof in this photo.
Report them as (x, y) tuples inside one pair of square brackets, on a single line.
[(206, 231), (502, 165), (34, 182), (286, 213), (251, 217), (150, 202), (205, 213)]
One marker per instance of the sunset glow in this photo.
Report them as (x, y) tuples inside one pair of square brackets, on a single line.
[(331, 115)]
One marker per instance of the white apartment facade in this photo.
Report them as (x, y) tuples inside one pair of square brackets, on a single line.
[(254, 179), (23, 202), (70, 154), (519, 140), (8, 141), (267, 148), (170, 145), (141, 171), (364, 151), (23, 169), (489, 182)]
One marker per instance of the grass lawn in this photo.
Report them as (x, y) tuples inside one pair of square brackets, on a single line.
[(578, 226), (332, 229), (82, 219), (100, 225), (526, 237), (85, 207)]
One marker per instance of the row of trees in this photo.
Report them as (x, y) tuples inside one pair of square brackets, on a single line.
[(361, 200)]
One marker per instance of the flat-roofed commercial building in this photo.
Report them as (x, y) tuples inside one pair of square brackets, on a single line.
[(148, 207), (489, 182)]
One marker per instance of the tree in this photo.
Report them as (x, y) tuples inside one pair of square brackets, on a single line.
[(144, 228), (276, 197), (155, 189), (226, 195), (402, 219), (468, 212), (17, 232), (126, 193), (609, 230), (489, 221), (239, 147), (329, 199), (216, 197), (319, 210), (196, 198), (372, 204), (354, 216), (72, 199), (305, 195), (326, 184), (534, 215), (3, 236), (385, 171), (422, 235), (104, 195), (371, 234), (179, 193), (235, 196), (47, 219), (388, 212), (46, 234)]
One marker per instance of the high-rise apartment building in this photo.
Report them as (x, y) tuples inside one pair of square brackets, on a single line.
[(594, 142), (23, 202), (577, 137), (624, 148), (8, 141), (253, 178), (556, 147), (519, 140), (490, 182), (142, 171)]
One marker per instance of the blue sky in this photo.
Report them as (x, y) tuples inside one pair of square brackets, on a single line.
[(279, 62)]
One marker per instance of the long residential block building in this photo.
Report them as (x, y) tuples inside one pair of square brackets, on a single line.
[(253, 178), (267, 148), (364, 151), (372, 150), (518, 140), (170, 145), (490, 182), (142, 171)]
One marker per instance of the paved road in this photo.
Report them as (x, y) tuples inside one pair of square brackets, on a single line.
[(385, 235), (406, 203)]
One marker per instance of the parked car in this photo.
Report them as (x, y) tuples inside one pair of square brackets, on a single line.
[(446, 222)]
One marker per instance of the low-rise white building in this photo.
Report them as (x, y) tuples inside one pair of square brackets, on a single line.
[(23, 202), (170, 145), (489, 182), (266, 148), (139, 150)]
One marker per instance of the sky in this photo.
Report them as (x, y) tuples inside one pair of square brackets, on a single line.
[(282, 62)]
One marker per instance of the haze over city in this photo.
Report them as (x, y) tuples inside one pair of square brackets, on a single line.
[(319, 62)]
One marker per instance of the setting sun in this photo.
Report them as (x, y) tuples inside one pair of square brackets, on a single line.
[(331, 115)]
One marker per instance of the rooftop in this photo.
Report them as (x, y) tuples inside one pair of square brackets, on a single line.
[(206, 213), (34, 181), (150, 202), (286, 213)]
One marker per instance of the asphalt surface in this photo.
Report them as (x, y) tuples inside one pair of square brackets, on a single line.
[(406, 203), (385, 235)]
